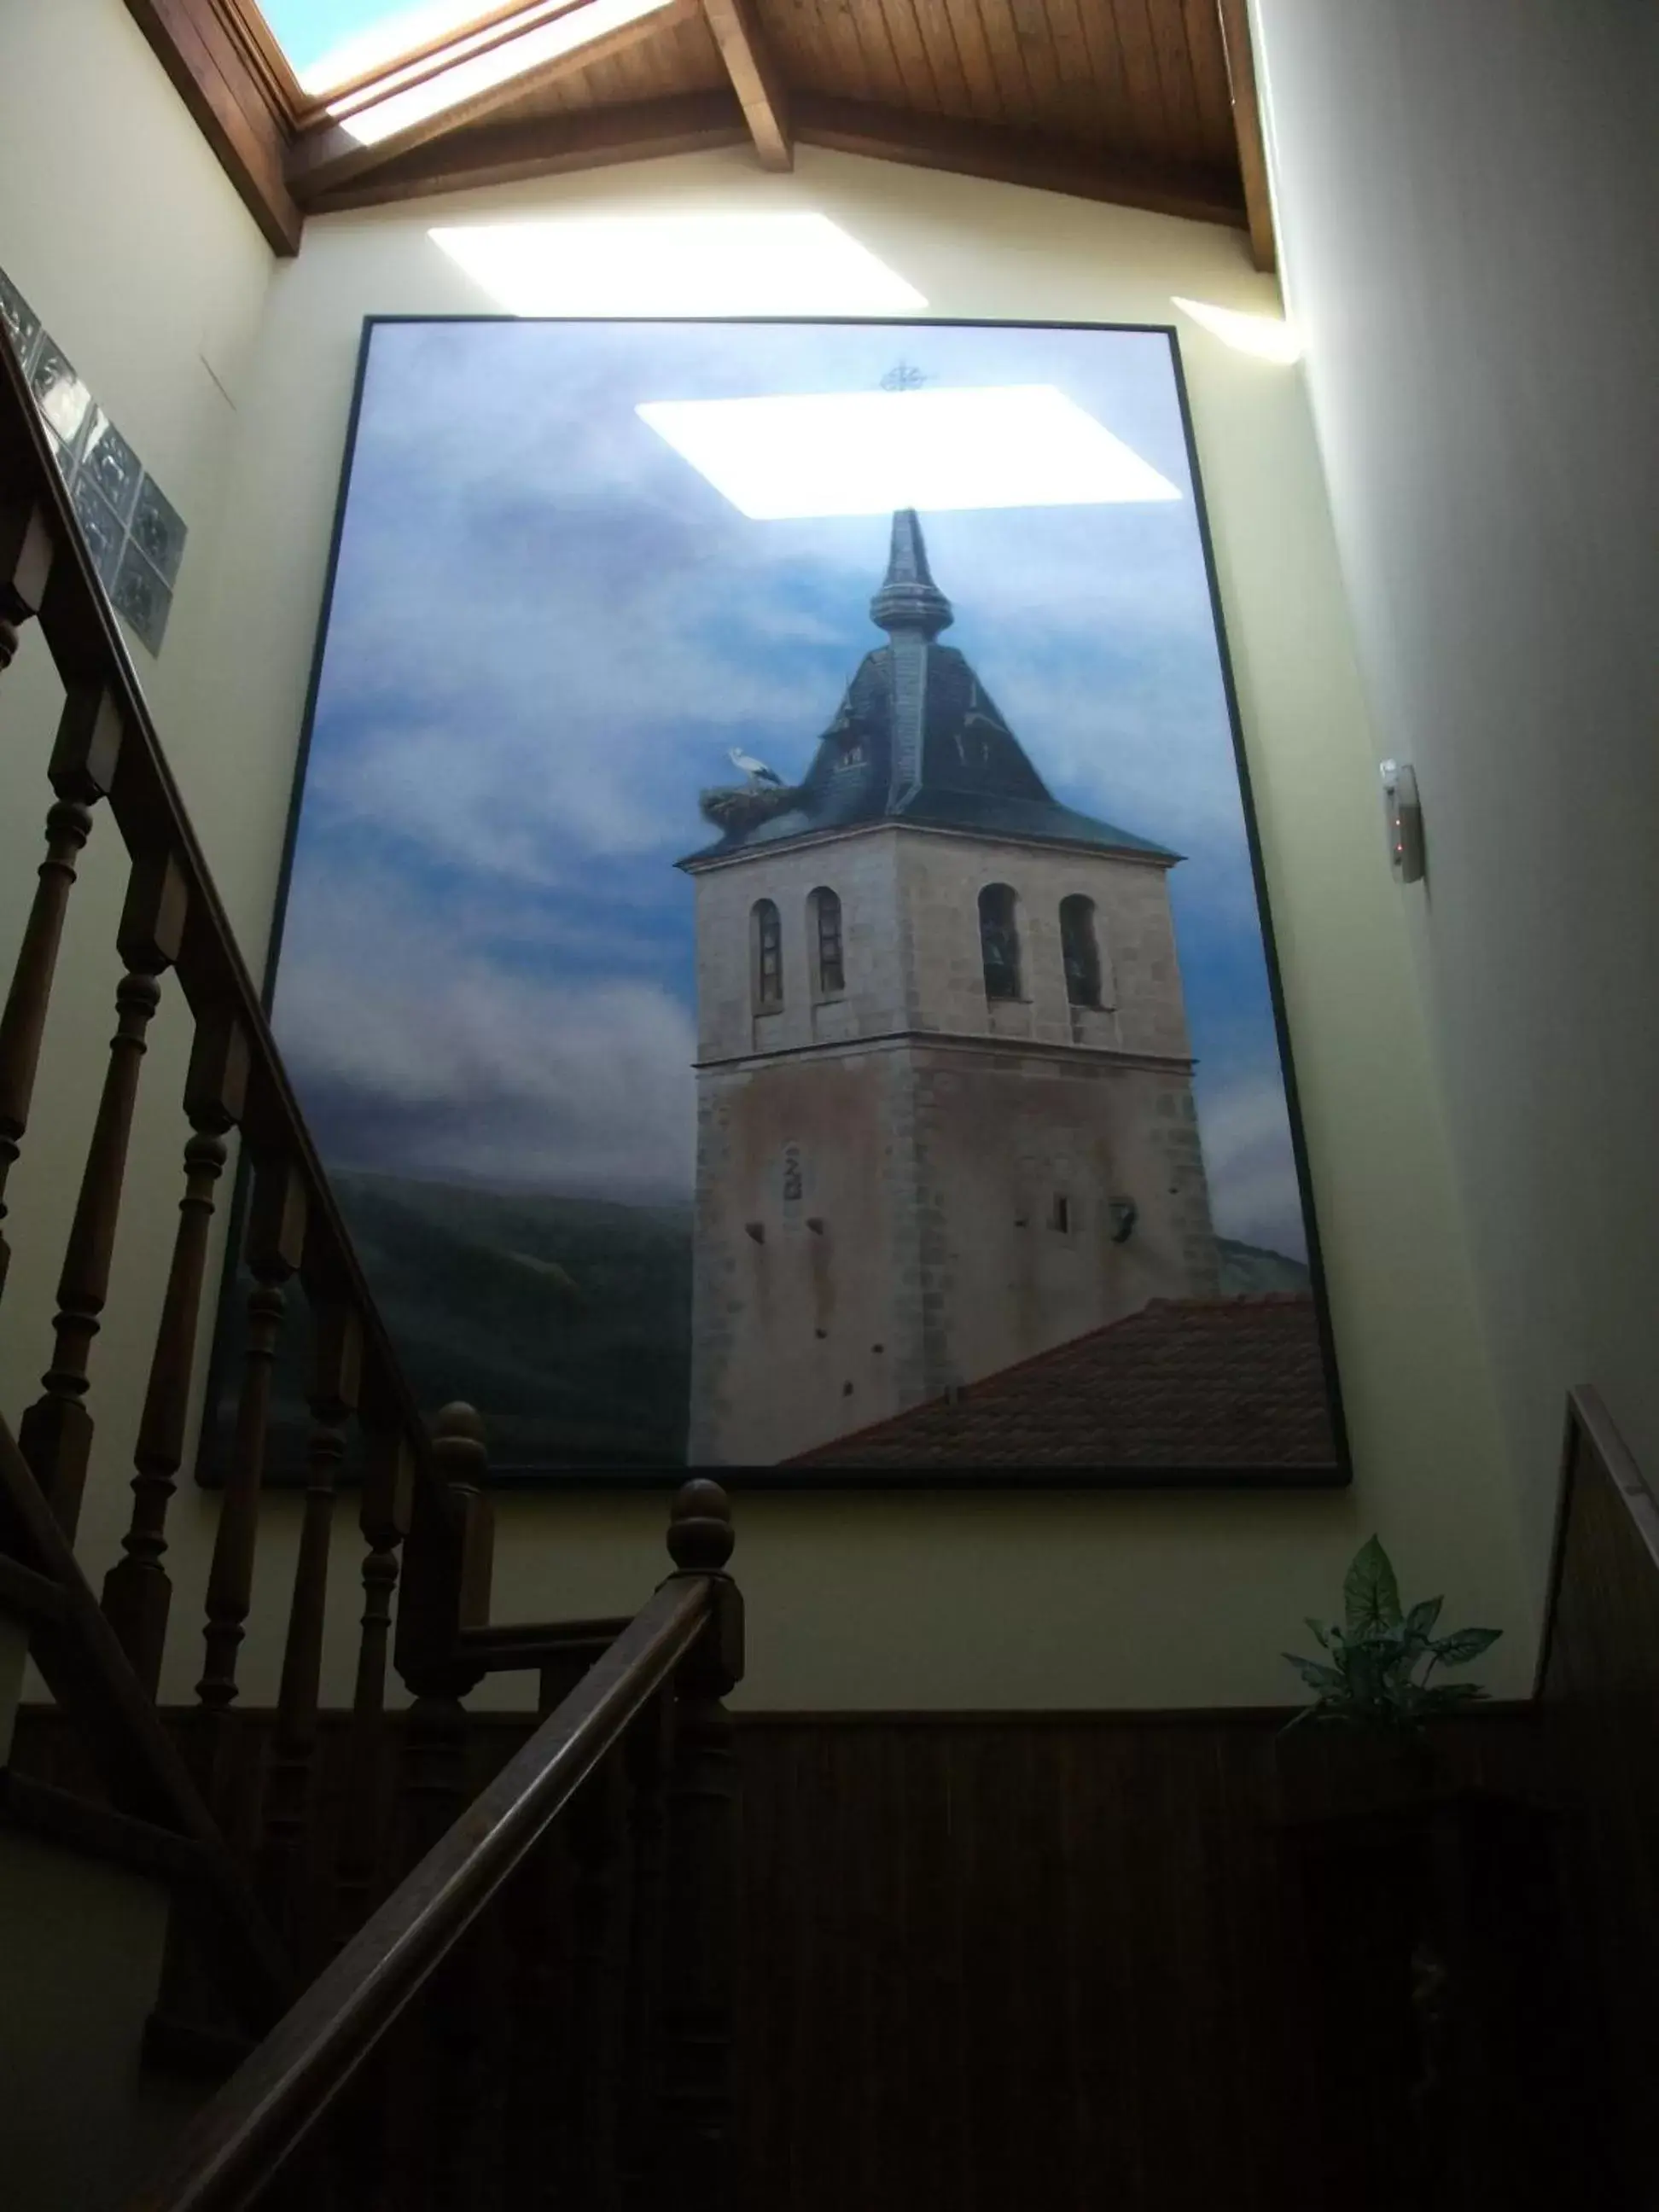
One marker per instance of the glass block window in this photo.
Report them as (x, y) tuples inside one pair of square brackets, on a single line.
[(133, 531)]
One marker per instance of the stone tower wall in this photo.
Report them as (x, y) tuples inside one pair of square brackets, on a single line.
[(909, 1186)]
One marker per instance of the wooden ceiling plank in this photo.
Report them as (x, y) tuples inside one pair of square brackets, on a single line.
[(1020, 157), (1176, 81), (327, 157), (1246, 124), (1014, 84), (700, 68), (1134, 38), (983, 91), (1081, 89), (915, 63), (1109, 89), (607, 86), (841, 47), (795, 38), (511, 153), (939, 36), (755, 78), (222, 93), (881, 62), (1034, 38), (1215, 101)]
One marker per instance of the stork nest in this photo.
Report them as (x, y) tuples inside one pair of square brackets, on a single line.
[(741, 806)]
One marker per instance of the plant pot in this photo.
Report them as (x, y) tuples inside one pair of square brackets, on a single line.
[(1326, 1769)]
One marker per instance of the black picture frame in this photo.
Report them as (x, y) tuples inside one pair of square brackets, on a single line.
[(285, 1462)]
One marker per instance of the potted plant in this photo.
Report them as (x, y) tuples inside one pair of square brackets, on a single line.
[(1374, 1676), (1378, 1881)]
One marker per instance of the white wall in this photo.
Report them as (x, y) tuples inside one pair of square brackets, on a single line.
[(1468, 197), (123, 232), (925, 1599)]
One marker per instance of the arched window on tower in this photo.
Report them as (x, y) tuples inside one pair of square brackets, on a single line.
[(1079, 950), (998, 941), (831, 971), (766, 953)]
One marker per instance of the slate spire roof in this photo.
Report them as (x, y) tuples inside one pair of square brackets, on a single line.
[(918, 739)]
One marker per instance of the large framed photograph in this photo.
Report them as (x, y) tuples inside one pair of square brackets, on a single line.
[(773, 953)]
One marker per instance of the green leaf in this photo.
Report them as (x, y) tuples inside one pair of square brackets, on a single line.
[(1423, 1616), (1464, 1644), (1369, 1590), (1322, 1634), (1315, 1676)]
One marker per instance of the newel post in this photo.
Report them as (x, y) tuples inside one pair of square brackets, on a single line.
[(446, 1568), (698, 2086)]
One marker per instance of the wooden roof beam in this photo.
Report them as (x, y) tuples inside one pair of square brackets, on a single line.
[(1247, 127), (756, 79), (547, 146), (1016, 157), (326, 157), (226, 68)]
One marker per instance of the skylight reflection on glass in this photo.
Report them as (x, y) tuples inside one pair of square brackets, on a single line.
[(867, 453), (332, 42), (495, 64), (797, 263)]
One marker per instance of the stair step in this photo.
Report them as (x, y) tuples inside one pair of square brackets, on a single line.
[(59, 1816)]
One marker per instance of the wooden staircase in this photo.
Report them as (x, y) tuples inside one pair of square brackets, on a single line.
[(448, 1992)]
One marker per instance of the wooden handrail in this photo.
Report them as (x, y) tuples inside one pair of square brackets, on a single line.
[(508, 1647), (1590, 1428), (134, 1756), (268, 2107), (85, 642)]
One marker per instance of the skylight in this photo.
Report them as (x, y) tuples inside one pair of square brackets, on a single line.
[(331, 42), (867, 453), (795, 264)]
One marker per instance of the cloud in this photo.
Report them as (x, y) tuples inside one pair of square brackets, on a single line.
[(1245, 1130), (547, 630), (418, 1054)]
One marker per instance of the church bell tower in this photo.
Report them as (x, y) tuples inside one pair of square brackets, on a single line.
[(945, 1106)]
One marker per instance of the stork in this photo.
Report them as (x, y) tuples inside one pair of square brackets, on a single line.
[(760, 777)]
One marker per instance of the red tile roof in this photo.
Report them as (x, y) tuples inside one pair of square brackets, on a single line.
[(1188, 1383)]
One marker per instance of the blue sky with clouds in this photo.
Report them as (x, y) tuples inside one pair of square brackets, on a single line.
[(308, 29), (548, 628)]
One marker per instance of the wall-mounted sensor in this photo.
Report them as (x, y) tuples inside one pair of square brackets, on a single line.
[(1405, 820)]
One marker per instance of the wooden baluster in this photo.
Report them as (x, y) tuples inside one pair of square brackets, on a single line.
[(696, 2106), (275, 1248), (136, 1591), (82, 764), (538, 2073), (596, 1845), (446, 1588), (55, 1436), (388, 1481), (293, 1741), (649, 1749), (26, 553)]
